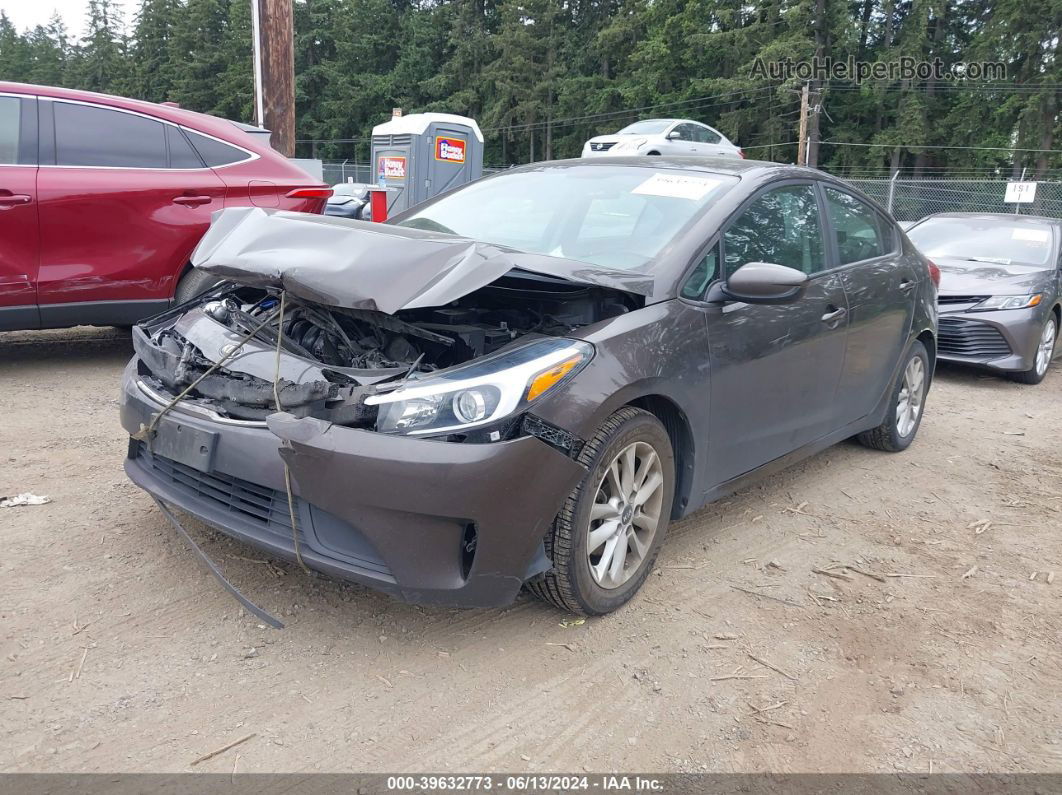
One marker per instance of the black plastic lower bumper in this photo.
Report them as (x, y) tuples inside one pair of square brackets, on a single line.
[(426, 521)]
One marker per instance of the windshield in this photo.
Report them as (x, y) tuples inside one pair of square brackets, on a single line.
[(651, 127), (615, 216), (984, 240)]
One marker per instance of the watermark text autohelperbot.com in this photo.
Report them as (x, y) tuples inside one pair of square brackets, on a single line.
[(850, 69)]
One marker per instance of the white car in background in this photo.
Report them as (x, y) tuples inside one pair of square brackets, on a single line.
[(663, 137)]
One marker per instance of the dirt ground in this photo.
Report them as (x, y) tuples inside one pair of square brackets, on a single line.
[(937, 649)]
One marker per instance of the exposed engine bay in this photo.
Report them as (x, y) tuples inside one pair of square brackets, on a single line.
[(333, 358)]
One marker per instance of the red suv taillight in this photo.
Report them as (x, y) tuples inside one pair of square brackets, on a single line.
[(310, 193), (934, 273)]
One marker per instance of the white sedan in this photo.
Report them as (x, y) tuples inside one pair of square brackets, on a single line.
[(663, 137)]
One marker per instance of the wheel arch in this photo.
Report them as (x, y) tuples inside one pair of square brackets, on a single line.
[(677, 425), (928, 339)]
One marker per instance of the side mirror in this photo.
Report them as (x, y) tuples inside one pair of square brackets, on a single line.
[(762, 283), (674, 135)]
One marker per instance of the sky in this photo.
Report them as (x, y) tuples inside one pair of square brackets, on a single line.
[(30, 13)]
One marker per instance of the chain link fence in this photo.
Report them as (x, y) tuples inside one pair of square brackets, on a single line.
[(912, 199), (906, 199), (335, 172)]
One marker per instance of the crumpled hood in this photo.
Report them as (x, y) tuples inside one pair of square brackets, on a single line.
[(962, 277), (363, 265)]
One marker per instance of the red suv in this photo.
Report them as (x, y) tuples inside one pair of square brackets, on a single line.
[(102, 200)]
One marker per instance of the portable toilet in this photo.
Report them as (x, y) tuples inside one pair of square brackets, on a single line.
[(422, 155)]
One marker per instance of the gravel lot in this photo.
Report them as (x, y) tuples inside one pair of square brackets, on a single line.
[(936, 650)]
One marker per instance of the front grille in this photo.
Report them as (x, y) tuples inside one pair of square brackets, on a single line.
[(964, 337), (601, 147), (944, 300), (264, 507)]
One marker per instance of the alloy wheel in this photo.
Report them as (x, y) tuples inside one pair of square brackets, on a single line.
[(625, 515), (1046, 348), (912, 395)]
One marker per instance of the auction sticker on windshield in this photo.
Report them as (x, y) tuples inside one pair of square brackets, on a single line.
[(676, 186)]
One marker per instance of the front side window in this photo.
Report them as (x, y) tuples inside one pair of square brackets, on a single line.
[(781, 226), (685, 132), (858, 229), (615, 216), (86, 135), (10, 121)]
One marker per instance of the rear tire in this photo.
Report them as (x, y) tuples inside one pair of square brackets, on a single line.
[(906, 405), (1045, 351), (607, 502), (192, 284)]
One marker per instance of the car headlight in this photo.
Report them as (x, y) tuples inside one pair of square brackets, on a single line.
[(480, 392), (1009, 302), (629, 145)]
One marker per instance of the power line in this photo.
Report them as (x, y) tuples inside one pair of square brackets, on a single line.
[(942, 146)]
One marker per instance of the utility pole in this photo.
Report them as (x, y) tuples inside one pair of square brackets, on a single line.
[(802, 136), (274, 71)]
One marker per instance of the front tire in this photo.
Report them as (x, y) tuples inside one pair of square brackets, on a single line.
[(605, 539), (1045, 351), (192, 284), (907, 403)]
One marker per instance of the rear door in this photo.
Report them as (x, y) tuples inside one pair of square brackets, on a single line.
[(123, 198), (775, 368), (880, 284), (18, 212), (710, 143)]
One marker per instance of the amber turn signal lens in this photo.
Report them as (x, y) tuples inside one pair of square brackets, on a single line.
[(547, 379), (1036, 299)]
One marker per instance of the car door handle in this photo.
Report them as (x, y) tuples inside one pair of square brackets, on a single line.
[(12, 199), (191, 201), (834, 318), (907, 285)]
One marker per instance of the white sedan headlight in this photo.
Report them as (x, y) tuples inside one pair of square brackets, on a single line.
[(1009, 302), (481, 392)]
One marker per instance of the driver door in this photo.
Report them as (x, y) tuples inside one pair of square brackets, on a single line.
[(775, 368), (681, 140)]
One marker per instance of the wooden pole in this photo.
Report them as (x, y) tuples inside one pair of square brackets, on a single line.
[(276, 66), (802, 136)]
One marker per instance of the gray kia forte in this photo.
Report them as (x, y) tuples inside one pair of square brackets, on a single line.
[(521, 382), (1001, 289)]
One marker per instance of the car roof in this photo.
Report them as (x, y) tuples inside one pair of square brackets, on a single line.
[(1010, 217), (709, 165), (222, 128)]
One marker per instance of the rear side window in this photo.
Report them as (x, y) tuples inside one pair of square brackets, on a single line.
[(215, 153), (182, 155), (781, 226), (91, 136), (861, 233), (706, 136), (10, 121)]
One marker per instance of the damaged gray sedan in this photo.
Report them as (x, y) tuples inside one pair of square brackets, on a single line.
[(521, 383)]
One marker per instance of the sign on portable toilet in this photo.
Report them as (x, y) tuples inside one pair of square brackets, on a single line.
[(419, 156)]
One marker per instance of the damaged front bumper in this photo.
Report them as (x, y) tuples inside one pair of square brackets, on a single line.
[(426, 521)]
